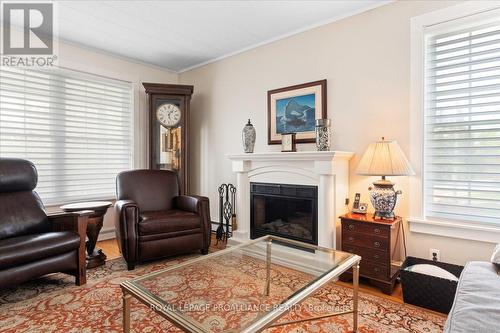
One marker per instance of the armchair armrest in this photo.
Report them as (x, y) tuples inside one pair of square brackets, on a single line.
[(188, 203), (76, 222), (69, 221), (199, 205), (126, 220), (122, 204)]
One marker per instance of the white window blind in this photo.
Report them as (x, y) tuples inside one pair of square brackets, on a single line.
[(76, 128), (462, 125)]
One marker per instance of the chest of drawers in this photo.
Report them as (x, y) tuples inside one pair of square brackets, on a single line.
[(375, 241)]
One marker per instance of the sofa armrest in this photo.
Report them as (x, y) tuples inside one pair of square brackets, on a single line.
[(76, 222), (126, 220)]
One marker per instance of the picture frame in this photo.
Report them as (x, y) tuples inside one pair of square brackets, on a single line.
[(295, 109), (288, 142)]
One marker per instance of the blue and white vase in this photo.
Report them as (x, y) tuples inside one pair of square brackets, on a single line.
[(384, 198), (248, 135)]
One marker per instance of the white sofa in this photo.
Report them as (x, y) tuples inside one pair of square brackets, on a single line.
[(476, 307)]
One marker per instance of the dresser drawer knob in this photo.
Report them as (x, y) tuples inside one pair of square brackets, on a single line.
[(376, 256), (376, 269), (351, 226), (350, 251), (351, 239), (376, 244), (377, 230)]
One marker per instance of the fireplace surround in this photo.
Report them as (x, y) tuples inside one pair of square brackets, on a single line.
[(326, 170), (284, 210)]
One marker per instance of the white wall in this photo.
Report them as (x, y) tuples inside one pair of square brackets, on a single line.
[(89, 61), (366, 60)]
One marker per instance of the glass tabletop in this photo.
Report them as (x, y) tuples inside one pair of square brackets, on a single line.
[(234, 289)]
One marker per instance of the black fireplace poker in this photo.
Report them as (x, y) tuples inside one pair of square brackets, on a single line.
[(226, 211)]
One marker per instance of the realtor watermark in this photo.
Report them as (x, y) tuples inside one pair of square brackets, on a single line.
[(242, 307), (28, 30)]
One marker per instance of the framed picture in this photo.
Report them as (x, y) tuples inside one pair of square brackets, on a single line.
[(288, 142), (295, 109)]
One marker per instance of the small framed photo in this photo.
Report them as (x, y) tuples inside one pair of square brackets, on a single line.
[(288, 142)]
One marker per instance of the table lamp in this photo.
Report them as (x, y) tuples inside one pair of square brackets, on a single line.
[(384, 158)]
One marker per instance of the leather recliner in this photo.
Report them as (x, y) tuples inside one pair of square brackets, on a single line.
[(153, 221), (32, 243)]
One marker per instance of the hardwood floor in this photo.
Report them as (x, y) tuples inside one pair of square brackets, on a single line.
[(110, 248)]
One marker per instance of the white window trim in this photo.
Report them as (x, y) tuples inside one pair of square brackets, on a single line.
[(455, 229)]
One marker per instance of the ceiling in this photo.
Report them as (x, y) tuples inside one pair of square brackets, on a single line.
[(180, 35)]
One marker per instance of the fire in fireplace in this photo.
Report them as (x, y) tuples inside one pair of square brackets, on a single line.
[(289, 211)]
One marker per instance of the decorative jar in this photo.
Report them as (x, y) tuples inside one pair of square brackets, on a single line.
[(323, 134), (248, 135)]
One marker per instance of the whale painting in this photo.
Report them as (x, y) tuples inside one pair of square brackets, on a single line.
[(295, 114), (295, 110)]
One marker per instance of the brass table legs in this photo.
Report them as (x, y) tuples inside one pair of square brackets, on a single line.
[(126, 312)]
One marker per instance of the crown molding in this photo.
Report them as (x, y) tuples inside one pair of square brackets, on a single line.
[(289, 34)]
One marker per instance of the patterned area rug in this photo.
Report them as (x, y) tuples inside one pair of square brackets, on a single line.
[(55, 304)]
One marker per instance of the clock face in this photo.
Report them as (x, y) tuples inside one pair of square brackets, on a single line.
[(169, 115)]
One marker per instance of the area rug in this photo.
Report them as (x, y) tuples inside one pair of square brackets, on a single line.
[(55, 304)]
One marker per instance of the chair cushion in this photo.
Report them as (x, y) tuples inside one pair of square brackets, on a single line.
[(20, 250), (159, 222)]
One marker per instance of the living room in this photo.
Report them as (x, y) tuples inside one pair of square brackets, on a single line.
[(248, 166)]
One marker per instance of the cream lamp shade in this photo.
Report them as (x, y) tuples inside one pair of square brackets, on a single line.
[(384, 158)]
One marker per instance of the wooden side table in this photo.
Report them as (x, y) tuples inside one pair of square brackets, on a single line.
[(95, 257), (375, 240)]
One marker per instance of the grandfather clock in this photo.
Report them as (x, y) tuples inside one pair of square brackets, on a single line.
[(168, 128)]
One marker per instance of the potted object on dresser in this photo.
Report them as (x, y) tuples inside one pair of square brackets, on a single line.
[(384, 158)]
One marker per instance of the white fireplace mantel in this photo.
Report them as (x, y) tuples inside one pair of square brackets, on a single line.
[(328, 170)]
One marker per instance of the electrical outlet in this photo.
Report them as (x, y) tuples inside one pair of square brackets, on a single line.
[(434, 254)]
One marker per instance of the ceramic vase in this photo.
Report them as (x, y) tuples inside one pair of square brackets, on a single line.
[(383, 197), (248, 135)]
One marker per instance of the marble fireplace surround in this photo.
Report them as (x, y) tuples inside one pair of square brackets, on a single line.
[(328, 170)]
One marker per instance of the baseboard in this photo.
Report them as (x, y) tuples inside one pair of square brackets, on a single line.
[(110, 233), (106, 234), (216, 224)]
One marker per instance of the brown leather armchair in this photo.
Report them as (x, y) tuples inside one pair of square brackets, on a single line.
[(153, 221), (33, 244)]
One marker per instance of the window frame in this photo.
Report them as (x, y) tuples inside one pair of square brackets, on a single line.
[(463, 15)]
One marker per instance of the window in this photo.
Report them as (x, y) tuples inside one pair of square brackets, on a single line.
[(461, 162), (76, 128)]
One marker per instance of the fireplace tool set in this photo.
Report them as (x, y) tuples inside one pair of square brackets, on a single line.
[(227, 199)]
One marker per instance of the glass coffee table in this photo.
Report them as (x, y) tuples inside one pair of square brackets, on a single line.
[(244, 288)]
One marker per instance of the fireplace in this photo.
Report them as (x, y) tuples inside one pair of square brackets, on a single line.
[(289, 211)]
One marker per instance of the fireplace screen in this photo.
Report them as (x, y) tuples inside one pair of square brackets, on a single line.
[(288, 211)]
